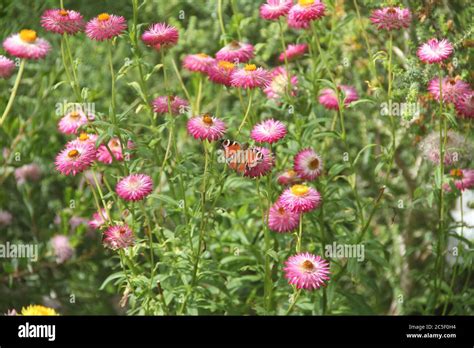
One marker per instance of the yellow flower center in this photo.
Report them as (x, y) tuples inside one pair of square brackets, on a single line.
[(38, 310), (84, 137), (299, 190), (28, 35), (207, 119), (202, 55), (307, 265), (73, 153), (314, 164), (103, 17), (305, 3), (456, 173), (63, 13), (250, 67), (226, 65), (74, 114), (291, 173)]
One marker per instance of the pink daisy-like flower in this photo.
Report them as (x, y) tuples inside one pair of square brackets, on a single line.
[(434, 51), (160, 34), (261, 167), (118, 237), (289, 177), (278, 85), (27, 172), (251, 77), (465, 105), (307, 10), (295, 24), (26, 44), (198, 62), (308, 164), (457, 149), (268, 131), (274, 9), (98, 219), (306, 271), (177, 105), (103, 154), (300, 198), (452, 89), (75, 158), (464, 179), (236, 52), (6, 67), (293, 51), (391, 18), (206, 127), (328, 97), (105, 27), (281, 220), (221, 72), (134, 187), (70, 123), (62, 21), (62, 248)]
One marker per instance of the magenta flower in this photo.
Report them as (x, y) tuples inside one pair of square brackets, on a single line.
[(281, 220), (452, 89), (220, 72), (328, 97), (134, 187), (308, 164), (62, 248), (465, 105), (260, 167), (300, 198), (295, 24), (274, 9), (70, 123), (6, 67), (105, 27), (288, 177), (307, 271), (251, 77), (103, 154), (98, 219), (236, 52), (268, 131), (62, 21), (198, 62), (177, 105), (279, 82), (160, 34), (206, 127), (75, 158), (27, 172), (118, 237), (434, 51), (293, 52), (391, 18), (307, 10), (26, 44), (463, 179)]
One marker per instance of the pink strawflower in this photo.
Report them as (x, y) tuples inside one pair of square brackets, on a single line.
[(236, 52), (11, 312), (62, 248), (103, 154), (328, 97), (281, 220), (260, 167), (308, 164), (134, 187), (391, 18), (84, 138), (293, 51), (306, 271), (268, 131), (6, 67), (274, 9), (289, 177), (463, 179), (457, 148), (118, 237), (105, 27), (177, 105), (5, 218), (70, 123), (75, 158), (198, 62), (251, 77), (160, 34), (452, 89), (465, 105), (26, 44), (220, 72), (62, 21), (27, 172), (300, 198), (98, 219), (279, 82), (434, 51), (295, 24), (307, 10), (206, 127)]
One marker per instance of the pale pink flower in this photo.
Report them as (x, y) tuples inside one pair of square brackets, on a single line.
[(274, 9), (293, 51), (463, 179), (465, 105), (98, 219), (206, 127), (177, 105), (391, 18), (26, 44), (281, 220), (295, 24), (289, 177), (5, 218), (27, 172), (134, 187), (220, 72), (308, 164), (105, 27), (307, 10), (62, 21), (198, 62), (452, 89), (159, 35), (70, 123), (118, 237), (75, 158), (300, 198), (434, 51), (268, 131), (328, 97), (103, 154), (307, 271), (279, 84), (251, 77), (236, 52), (6, 67), (62, 248)]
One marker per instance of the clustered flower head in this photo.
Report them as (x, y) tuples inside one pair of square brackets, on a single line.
[(328, 97), (300, 198), (268, 131), (279, 84), (307, 11), (173, 104), (161, 34), (99, 219), (236, 52), (308, 165), (452, 89), (435, 51), (70, 123), (198, 62), (463, 179), (465, 105), (118, 237), (134, 187), (105, 27), (75, 158), (206, 127), (26, 44), (62, 21), (274, 9), (391, 18), (307, 271), (261, 167), (293, 52), (220, 72), (251, 77), (6, 67), (282, 220), (62, 248)]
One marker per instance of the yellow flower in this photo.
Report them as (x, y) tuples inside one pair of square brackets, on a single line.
[(38, 310)]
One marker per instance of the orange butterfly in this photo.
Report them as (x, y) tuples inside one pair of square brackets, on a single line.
[(241, 157)]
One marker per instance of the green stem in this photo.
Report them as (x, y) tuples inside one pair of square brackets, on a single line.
[(221, 21), (249, 105), (283, 45), (112, 76), (13, 93)]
